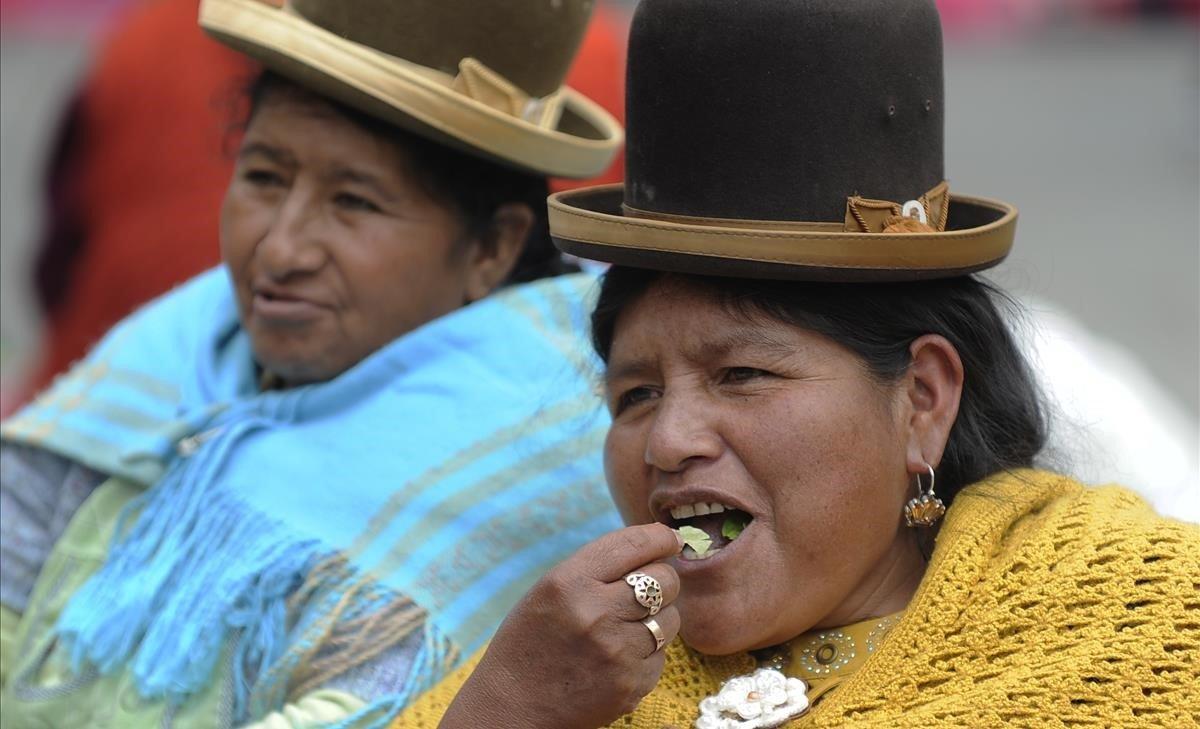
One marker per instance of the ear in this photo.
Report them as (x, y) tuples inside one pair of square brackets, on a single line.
[(933, 388), (493, 256)]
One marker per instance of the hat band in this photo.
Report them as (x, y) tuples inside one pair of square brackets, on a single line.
[(798, 225), (863, 215)]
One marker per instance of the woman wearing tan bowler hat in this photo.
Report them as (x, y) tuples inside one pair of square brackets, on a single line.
[(303, 486), (823, 438)]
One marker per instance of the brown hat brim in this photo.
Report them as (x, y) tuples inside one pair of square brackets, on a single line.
[(591, 223), (582, 144)]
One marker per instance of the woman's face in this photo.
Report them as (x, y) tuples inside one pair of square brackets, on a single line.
[(770, 421), (333, 249)]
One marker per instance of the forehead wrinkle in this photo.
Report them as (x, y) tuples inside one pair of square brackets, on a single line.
[(751, 337)]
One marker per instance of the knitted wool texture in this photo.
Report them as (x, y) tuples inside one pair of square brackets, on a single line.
[(1045, 604)]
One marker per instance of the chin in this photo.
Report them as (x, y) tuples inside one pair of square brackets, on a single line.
[(715, 631), (293, 367), (299, 357), (712, 642)]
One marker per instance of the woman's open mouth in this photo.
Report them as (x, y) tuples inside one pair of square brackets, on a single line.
[(707, 527)]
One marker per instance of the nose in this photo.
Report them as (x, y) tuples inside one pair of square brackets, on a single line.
[(293, 243), (681, 433)]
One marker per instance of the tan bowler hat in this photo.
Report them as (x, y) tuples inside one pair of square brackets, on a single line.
[(485, 77)]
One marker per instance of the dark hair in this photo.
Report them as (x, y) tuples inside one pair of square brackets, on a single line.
[(1001, 421), (473, 186)]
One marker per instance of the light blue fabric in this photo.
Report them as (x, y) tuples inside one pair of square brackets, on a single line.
[(451, 468)]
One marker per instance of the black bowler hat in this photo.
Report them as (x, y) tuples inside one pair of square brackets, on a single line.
[(787, 139)]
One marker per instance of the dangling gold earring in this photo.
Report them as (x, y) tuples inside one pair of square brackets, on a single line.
[(926, 508)]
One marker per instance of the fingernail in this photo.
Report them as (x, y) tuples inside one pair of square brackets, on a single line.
[(679, 539)]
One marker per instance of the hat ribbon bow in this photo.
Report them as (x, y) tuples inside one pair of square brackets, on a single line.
[(926, 214), (476, 81)]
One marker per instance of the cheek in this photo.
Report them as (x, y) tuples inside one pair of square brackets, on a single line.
[(228, 227), (834, 436), (626, 473), (244, 222), (398, 279), (831, 473)]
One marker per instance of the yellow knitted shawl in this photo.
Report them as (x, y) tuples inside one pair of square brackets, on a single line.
[(1045, 604)]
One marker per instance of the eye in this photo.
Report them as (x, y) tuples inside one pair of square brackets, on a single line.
[(737, 375), (262, 178), (631, 397), (350, 201)]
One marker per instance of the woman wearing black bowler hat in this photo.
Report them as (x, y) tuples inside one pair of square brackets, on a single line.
[(824, 438)]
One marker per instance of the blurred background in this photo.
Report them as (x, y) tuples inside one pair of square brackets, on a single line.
[(1084, 113)]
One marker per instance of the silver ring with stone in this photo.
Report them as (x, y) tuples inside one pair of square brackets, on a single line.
[(660, 639), (646, 590)]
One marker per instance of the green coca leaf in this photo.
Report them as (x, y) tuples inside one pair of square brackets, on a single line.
[(695, 538), (732, 529)]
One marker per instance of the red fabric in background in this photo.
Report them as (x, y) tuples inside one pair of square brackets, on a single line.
[(599, 74), (143, 159), (137, 179)]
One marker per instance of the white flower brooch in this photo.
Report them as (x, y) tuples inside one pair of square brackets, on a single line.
[(764, 699)]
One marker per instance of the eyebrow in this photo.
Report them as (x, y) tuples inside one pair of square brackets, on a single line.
[(262, 149), (753, 338), (633, 368), (340, 173), (358, 177)]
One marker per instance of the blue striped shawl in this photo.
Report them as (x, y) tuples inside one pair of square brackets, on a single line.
[(446, 471)]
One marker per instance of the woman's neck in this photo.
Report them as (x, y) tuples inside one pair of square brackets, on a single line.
[(887, 588)]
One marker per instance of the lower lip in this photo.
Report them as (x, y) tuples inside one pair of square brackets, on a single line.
[(286, 310), (695, 566)]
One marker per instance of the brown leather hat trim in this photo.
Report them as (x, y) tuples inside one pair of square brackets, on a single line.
[(632, 212), (395, 91), (593, 218)]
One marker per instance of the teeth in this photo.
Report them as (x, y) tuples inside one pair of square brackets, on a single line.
[(700, 508)]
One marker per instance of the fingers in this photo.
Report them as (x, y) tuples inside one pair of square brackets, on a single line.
[(621, 594), (664, 626), (618, 553)]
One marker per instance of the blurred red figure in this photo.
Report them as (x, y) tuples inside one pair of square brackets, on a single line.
[(136, 180), (143, 159)]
